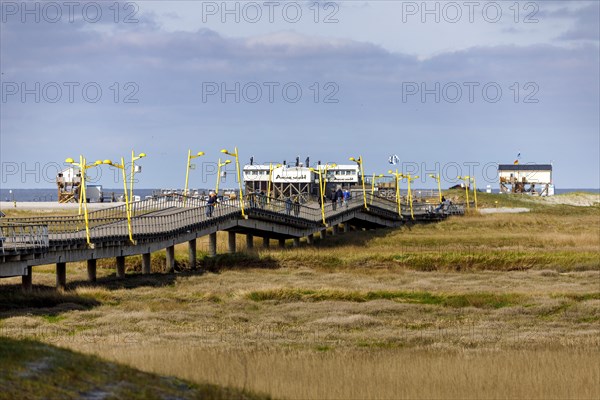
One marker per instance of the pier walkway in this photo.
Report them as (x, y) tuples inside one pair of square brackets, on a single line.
[(161, 223)]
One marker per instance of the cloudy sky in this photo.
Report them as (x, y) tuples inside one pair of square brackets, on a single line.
[(449, 87)]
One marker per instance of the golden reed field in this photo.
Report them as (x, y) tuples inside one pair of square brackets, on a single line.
[(482, 306)]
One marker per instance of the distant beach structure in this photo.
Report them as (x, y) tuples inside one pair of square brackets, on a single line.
[(533, 179)]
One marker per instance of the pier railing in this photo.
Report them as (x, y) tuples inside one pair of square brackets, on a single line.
[(16, 238), (170, 214)]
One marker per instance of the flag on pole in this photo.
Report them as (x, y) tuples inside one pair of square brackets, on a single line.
[(516, 162), (393, 159)]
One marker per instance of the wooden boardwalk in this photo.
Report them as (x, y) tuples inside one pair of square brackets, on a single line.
[(163, 222)]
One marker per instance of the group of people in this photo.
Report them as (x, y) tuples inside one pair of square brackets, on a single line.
[(295, 205), (339, 196), (259, 199)]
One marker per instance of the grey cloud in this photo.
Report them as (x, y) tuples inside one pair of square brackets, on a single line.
[(586, 22), (171, 67)]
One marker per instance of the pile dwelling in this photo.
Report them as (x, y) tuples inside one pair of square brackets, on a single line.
[(533, 179), (298, 181), (69, 184)]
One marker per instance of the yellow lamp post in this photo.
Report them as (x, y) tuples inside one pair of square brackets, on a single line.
[(239, 175), (409, 179), (474, 191), (437, 178), (81, 184), (122, 167), (466, 179), (187, 171), (373, 185), (134, 158), (321, 200), (219, 165), (83, 166), (326, 169), (271, 168), (398, 176), (359, 161)]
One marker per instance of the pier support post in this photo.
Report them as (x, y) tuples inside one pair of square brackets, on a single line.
[(296, 242), (170, 259), (249, 242), (91, 270), (121, 267), (192, 254), (26, 281), (231, 248), (212, 244), (146, 264), (61, 275), (334, 230), (266, 242), (282, 243), (310, 239), (322, 233), (346, 227)]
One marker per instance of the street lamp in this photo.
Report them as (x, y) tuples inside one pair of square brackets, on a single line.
[(321, 199), (134, 158), (398, 176), (326, 169), (127, 210), (83, 166), (466, 179), (409, 179), (474, 191), (437, 178), (219, 165), (271, 168), (373, 185), (359, 161), (187, 171), (237, 165)]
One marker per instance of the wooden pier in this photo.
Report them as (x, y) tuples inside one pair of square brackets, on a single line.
[(163, 222)]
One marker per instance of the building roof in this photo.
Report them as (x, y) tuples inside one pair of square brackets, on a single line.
[(525, 167)]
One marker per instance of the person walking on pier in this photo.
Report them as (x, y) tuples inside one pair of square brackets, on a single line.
[(340, 196), (346, 197), (211, 203), (297, 206), (288, 205), (333, 199), (262, 199)]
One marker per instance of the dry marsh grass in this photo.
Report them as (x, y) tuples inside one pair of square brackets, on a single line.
[(494, 242), (494, 306), (313, 333), (477, 300), (379, 373)]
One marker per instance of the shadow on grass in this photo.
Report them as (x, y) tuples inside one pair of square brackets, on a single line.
[(49, 302), (356, 238), (135, 279), (35, 370), (237, 261), (41, 301)]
